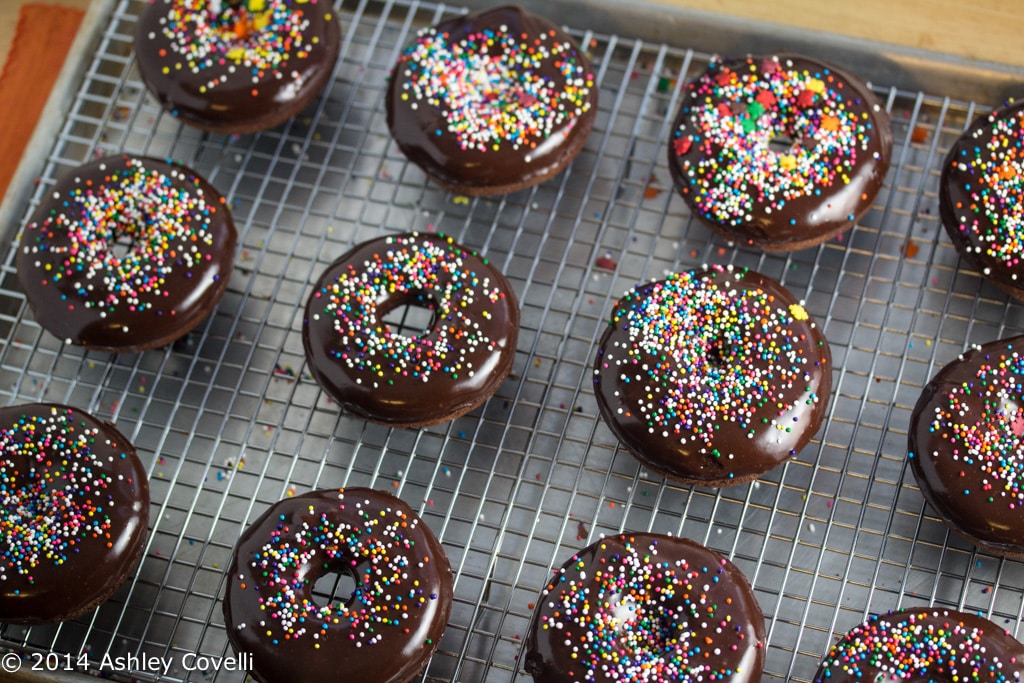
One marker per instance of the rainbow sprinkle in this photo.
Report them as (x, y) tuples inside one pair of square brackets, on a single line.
[(491, 86), (916, 645), (412, 266), (733, 117), (51, 492), (256, 39)]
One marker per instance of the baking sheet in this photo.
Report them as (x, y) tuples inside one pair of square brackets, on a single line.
[(228, 420)]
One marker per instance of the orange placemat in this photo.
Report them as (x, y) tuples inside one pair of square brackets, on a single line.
[(41, 41)]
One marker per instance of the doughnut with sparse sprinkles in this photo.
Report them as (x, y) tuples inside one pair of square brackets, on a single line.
[(388, 628), (491, 102), (236, 66), (779, 151), (74, 511), (646, 608), (924, 644), (712, 376), (966, 444), (981, 197), (411, 377), (126, 253)]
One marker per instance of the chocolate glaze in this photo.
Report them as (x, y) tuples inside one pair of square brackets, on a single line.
[(480, 119), (924, 644), (87, 288), (981, 197), (966, 443), (75, 512), (779, 151), (645, 602), (236, 70), (389, 628), (404, 378), (712, 376)]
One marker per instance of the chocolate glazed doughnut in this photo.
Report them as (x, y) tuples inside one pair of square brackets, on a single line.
[(981, 197), (491, 102), (236, 66), (646, 607), (966, 441), (712, 376), (75, 512), (924, 644), (126, 254), (384, 633), (405, 378), (779, 151)]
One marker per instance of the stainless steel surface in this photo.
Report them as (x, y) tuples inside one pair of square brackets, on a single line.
[(228, 420)]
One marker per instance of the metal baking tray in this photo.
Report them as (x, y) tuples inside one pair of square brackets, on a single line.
[(228, 421)]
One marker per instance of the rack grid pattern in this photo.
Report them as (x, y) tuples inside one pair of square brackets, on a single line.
[(228, 420)]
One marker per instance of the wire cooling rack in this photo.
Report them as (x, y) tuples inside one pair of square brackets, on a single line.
[(228, 420)]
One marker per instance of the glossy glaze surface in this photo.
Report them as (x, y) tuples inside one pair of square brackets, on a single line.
[(966, 443), (236, 67), (411, 377), (646, 608), (126, 254), (712, 376), (924, 644), (491, 102), (75, 511), (384, 633), (981, 197), (779, 151)]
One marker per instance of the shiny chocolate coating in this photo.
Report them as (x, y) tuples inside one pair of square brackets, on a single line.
[(385, 632), (401, 377), (966, 443), (712, 376), (75, 512), (779, 151), (236, 66), (924, 644), (491, 102), (981, 197), (126, 254), (646, 607)]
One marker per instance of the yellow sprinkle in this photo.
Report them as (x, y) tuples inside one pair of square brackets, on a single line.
[(798, 312)]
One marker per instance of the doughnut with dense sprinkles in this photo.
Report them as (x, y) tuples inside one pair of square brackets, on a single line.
[(236, 66), (388, 628), (646, 608), (712, 376), (981, 197), (411, 378), (966, 443), (924, 644), (75, 512), (779, 151), (491, 102), (126, 254)]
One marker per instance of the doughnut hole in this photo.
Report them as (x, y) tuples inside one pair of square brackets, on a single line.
[(337, 584), (411, 314)]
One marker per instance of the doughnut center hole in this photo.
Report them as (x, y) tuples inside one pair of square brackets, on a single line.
[(338, 585), (121, 246), (721, 354), (781, 144), (411, 314)]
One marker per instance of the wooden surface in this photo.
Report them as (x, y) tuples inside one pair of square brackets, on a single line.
[(9, 17)]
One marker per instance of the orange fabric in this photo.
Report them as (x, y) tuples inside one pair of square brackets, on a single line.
[(41, 41)]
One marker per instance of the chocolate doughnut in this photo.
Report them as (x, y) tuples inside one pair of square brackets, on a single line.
[(981, 197), (491, 102), (924, 644), (126, 254), (386, 630), (411, 378), (236, 66), (779, 151), (646, 607), (75, 512), (965, 440), (712, 376)]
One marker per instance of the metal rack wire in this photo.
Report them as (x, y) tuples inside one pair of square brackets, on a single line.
[(228, 420)]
